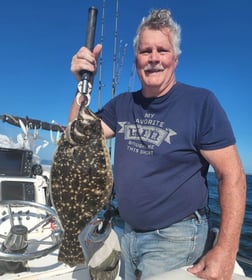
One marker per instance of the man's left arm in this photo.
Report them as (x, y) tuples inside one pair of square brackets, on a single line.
[(219, 262)]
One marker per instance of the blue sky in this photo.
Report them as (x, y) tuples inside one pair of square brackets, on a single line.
[(39, 38)]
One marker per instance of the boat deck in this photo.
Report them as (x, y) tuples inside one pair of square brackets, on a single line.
[(48, 268)]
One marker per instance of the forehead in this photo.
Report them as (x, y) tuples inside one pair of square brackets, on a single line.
[(155, 37)]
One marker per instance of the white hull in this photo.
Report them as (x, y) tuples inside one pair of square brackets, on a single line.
[(182, 274), (48, 268)]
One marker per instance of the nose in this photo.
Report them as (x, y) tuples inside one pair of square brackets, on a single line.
[(154, 56)]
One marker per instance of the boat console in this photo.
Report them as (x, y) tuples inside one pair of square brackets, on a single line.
[(15, 162), (29, 226)]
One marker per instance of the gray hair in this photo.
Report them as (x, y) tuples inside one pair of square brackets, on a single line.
[(157, 20)]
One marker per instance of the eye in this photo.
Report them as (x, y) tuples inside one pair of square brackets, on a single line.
[(145, 51), (163, 51)]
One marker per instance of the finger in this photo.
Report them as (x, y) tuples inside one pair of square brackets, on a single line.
[(197, 268), (86, 60), (97, 50), (83, 62), (84, 54)]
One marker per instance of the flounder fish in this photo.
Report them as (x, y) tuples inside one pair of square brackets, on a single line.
[(81, 180)]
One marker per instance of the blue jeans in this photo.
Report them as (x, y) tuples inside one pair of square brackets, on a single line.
[(151, 253)]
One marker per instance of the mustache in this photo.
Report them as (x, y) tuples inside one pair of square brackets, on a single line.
[(150, 67)]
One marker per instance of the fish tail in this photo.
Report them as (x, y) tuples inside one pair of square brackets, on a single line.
[(70, 252)]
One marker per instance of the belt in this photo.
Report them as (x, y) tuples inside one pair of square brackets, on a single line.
[(201, 212)]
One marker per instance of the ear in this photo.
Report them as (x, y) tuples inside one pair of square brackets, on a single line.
[(176, 61)]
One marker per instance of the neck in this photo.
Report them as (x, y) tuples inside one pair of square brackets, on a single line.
[(157, 91)]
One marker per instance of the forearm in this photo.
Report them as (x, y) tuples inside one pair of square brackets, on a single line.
[(232, 196), (74, 110), (219, 262)]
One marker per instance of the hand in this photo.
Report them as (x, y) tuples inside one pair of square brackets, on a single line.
[(215, 265), (84, 59)]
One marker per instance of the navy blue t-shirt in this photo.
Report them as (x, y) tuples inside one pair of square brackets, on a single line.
[(159, 173)]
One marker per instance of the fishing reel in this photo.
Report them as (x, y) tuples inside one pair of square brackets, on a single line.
[(28, 230)]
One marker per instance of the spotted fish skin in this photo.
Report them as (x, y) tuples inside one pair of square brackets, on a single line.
[(81, 180)]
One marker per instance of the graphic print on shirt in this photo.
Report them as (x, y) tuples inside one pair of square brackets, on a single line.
[(146, 134)]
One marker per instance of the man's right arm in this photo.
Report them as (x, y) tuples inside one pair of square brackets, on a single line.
[(84, 59)]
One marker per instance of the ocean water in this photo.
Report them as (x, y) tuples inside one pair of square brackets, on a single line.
[(245, 251)]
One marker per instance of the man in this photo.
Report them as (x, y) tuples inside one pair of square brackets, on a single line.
[(167, 134)]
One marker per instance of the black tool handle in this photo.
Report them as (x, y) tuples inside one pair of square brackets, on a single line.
[(90, 37), (107, 216), (91, 27)]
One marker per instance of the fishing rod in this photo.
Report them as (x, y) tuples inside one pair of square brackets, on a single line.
[(132, 77), (100, 84), (114, 53), (117, 62), (114, 66)]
